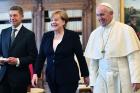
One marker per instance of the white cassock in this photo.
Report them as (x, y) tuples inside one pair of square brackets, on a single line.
[(114, 51)]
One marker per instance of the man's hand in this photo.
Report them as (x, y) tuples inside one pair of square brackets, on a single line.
[(135, 86), (12, 61)]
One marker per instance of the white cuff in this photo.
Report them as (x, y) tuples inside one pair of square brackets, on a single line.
[(18, 62)]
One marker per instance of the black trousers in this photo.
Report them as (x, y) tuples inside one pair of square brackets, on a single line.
[(55, 87), (63, 88), (7, 87)]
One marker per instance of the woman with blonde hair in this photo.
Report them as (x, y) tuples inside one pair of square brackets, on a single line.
[(59, 47)]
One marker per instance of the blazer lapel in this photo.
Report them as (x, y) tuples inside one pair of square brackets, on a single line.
[(6, 42), (51, 41), (18, 37), (59, 46)]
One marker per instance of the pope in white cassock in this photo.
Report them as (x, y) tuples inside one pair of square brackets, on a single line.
[(114, 53)]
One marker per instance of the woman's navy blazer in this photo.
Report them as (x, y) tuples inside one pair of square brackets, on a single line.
[(61, 64)]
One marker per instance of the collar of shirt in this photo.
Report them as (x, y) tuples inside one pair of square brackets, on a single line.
[(18, 29)]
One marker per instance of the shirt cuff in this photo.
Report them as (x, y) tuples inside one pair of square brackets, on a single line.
[(18, 62)]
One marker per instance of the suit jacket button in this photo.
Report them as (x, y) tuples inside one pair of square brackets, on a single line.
[(53, 60)]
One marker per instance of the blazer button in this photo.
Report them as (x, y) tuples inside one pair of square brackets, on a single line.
[(53, 60)]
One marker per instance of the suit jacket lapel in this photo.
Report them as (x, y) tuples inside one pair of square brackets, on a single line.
[(58, 48), (18, 37), (6, 42)]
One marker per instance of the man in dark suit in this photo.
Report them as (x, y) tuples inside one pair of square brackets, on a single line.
[(17, 51)]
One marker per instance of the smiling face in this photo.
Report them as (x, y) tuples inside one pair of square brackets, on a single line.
[(15, 18), (104, 15), (57, 23), (59, 20)]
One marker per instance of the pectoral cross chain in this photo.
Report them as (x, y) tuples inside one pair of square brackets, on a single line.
[(103, 51)]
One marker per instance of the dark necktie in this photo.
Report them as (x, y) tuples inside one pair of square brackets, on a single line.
[(13, 35)]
